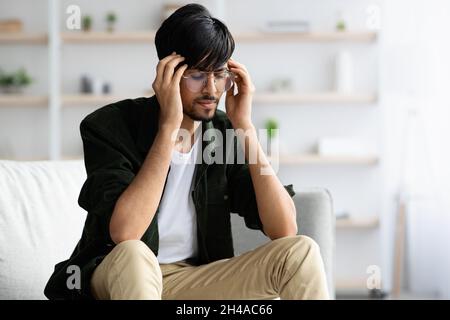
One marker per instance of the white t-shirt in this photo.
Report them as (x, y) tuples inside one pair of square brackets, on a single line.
[(177, 221)]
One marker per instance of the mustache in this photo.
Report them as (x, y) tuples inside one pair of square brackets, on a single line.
[(210, 98)]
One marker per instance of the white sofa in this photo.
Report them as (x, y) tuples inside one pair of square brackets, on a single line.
[(41, 222)]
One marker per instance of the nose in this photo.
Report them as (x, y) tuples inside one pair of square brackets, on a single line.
[(210, 86)]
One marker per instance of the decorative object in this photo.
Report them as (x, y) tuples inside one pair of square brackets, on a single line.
[(281, 84), (10, 25), (86, 23), (106, 89), (93, 85), (97, 86), (14, 82), (111, 19), (271, 125), (341, 24), (340, 146), (344, 72), (86, 84)]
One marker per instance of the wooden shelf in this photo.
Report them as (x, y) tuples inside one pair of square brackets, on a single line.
[(351, 284), (268, 98), (108, 37), (94, 37), (245, 36), (22, 38), (308, 159), (358, 223), (260, 36), (90, 99), (23, 159), (12, 100), (73, 158), (319, 97)]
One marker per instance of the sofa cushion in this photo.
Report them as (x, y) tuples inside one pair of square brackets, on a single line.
[(40, 222)]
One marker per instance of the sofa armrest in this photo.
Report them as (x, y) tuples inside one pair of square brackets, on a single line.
[(315, 218)]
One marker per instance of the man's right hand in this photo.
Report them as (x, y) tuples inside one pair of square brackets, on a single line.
[(167, 90)]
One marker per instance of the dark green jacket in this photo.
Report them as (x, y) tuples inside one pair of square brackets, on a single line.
[(116, 140)]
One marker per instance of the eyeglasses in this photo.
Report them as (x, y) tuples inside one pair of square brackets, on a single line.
[(196, 80)]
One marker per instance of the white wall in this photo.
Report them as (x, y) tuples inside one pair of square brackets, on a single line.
[(415, 77), (131, 69)]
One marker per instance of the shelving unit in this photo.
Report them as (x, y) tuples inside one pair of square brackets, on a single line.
[(260, 36), (241, 36), (55, 99), (259, 98)]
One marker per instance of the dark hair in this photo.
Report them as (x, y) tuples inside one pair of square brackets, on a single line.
[(191, 31)]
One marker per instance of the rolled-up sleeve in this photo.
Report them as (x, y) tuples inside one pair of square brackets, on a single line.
[(243, 197)]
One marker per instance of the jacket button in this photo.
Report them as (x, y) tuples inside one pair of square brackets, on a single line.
[(225, 197)]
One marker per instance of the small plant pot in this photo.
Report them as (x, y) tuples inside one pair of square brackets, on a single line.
[(86, 23)]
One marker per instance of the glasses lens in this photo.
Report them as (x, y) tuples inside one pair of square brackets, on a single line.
[(196, 81), (224, 81)]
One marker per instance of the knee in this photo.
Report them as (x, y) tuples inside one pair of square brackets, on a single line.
[(307, 242), (135, 250), (299, 248), (298, 241)]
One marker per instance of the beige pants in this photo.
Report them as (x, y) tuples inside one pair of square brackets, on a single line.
[(289, 268)]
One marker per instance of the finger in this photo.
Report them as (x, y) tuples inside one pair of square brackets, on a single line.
[(160, 67), (179, 73), (170, 68), (230, 92), (234, 64), (162, 64), (243, 76)]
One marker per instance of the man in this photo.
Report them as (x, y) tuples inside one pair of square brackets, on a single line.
[(158, 223)]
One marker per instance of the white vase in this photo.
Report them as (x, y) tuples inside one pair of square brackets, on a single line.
[(344, 73)]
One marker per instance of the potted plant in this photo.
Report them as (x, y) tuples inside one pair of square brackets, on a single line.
[(271, 125), (14, 82), (111, 19), (341, 24), (86, 23)]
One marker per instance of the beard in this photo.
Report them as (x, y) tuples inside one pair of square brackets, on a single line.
[(196, 112)]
